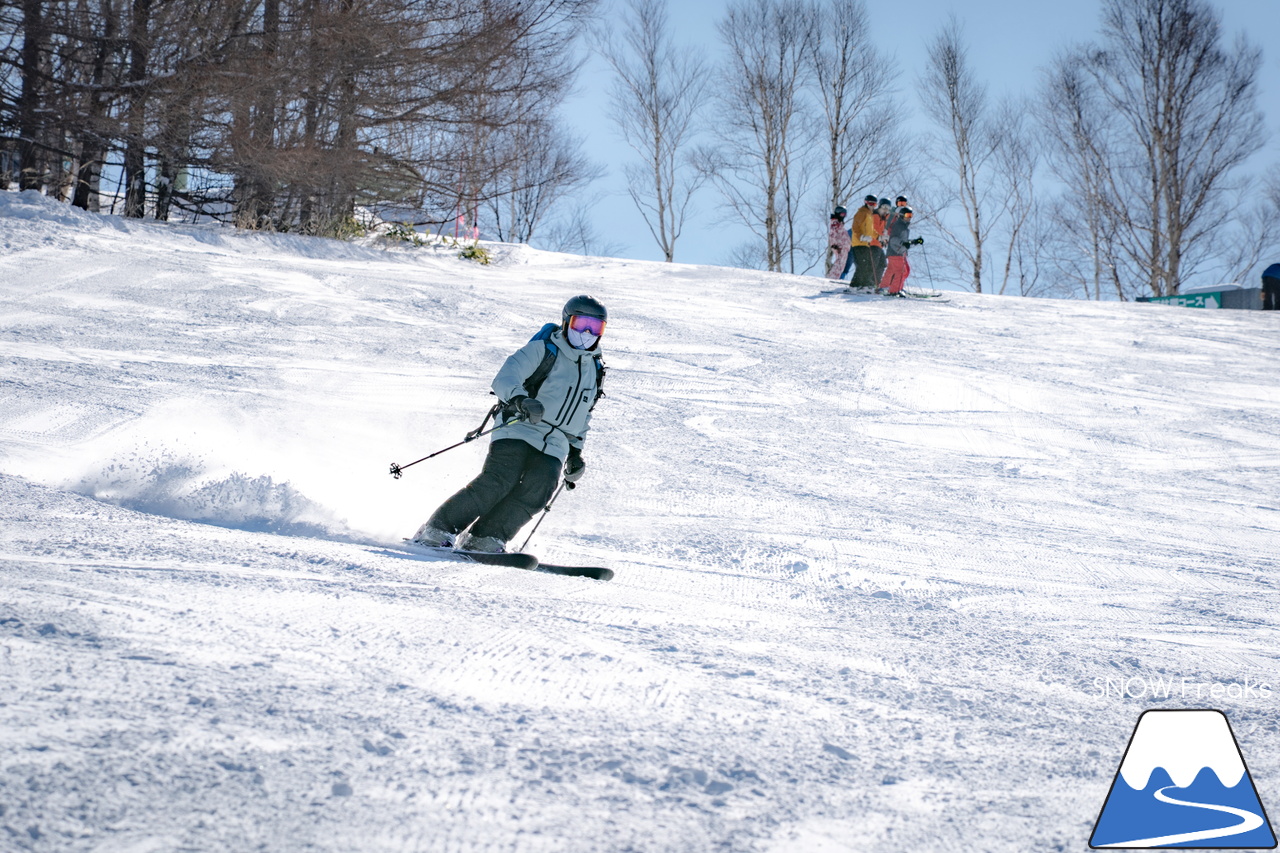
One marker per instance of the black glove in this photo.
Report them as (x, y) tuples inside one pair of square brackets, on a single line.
[(574, 466), (529, 409), (919, 241)]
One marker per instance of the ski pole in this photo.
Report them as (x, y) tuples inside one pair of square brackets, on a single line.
[(546, 509), (398, 470), (928, 270)]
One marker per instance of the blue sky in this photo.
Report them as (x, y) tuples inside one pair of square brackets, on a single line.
[(1009, 43)]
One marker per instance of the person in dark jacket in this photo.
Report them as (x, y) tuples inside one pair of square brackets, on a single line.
[(897, 269), (1271, 288), (898, 203), (544, 430)]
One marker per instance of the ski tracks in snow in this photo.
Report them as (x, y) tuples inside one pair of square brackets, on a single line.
[(873, 558)]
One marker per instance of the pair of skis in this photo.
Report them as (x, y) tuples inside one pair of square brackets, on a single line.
[(860, 291), (528, 562)]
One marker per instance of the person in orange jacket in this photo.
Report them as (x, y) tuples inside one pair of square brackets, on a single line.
[(864, 232)]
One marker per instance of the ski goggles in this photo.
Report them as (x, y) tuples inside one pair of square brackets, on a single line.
[(590, 325)]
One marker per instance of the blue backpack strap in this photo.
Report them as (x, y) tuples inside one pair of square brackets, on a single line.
[(539, 375)]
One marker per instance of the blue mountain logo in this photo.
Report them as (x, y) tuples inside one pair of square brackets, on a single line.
[(1183, 783)]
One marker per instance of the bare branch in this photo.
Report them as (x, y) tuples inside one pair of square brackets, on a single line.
[(658, 91)]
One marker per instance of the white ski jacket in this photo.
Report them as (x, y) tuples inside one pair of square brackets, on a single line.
[(568, 393)]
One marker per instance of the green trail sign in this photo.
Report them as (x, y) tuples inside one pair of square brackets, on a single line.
[(1235, 297)]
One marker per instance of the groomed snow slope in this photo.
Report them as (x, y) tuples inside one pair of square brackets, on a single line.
[(874, 558)]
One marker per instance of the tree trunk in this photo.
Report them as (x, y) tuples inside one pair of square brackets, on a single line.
[(31, 153), (89, 176), (254, 119), (92, 149), (135, 162), (165, 186), (264, 119), (308, 216), (343, 200)]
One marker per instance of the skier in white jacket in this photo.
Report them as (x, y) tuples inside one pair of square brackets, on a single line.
[(545, 432)]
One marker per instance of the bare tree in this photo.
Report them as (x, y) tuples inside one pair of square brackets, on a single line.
[(855, 87), (1081, 136), (1185, 113), (540, 166), (517, 59), (94, 131), (1255, 231), (747, 256), (57, 80), (759, 166), (135, 167), (31, 121), (10, 93), (286, 113), (957, 103), (1016, 163), (658, 90), (574, 231)]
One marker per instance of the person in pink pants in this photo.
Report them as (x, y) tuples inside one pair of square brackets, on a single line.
[(897, 269)]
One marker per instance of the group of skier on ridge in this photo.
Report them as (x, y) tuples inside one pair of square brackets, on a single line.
[(875, 245)]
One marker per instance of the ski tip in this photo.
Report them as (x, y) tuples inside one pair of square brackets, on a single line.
[(598, 573)]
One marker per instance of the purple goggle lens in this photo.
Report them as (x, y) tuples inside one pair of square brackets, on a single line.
[(583, 323)]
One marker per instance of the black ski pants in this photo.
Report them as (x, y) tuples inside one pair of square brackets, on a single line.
[(862, 271), (514, 485), (877, 264)]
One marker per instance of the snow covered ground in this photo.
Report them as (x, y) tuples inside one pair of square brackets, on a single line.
[(881, 564)]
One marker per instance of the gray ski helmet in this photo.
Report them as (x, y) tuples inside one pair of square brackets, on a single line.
[(884, 202), (585, 306), (869, 198), (839, 212)]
